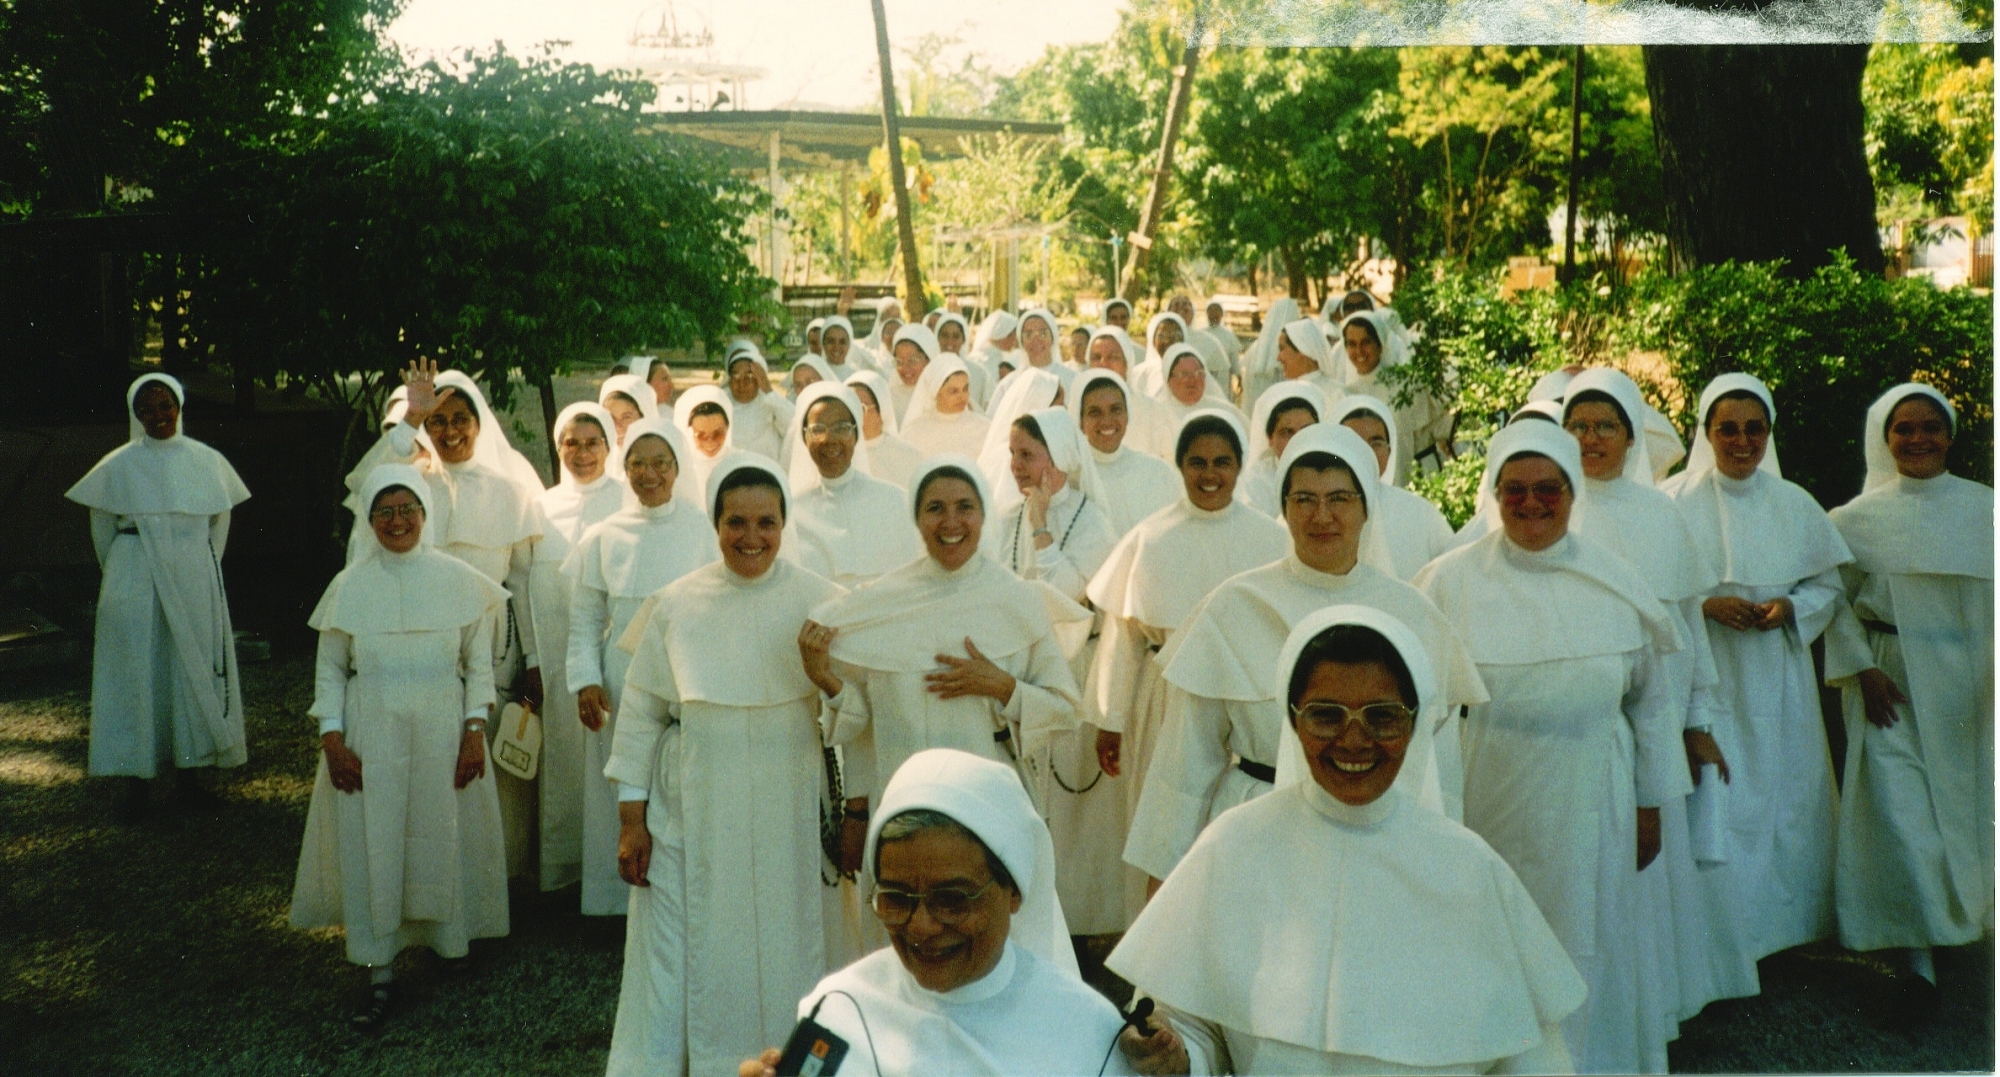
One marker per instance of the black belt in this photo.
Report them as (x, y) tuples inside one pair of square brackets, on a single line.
[(1882, 628), (128, 530), (1155, 647), (1265, 774)]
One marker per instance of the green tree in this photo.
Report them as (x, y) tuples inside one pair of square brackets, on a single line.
[(1290, 155), (501, 214)]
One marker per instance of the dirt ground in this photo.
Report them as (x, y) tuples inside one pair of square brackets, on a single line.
[(162, 948)]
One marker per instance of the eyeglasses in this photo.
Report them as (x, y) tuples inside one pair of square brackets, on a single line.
[(584, 444), (1382, 721), (1606, 428), (397, 512), (1755, 428), (948, 904), (1932, 427), (1548, 493), (818, 431), (1339, 499), (462, 421)]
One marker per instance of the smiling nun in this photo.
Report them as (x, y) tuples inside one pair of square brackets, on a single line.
[(163, 685)]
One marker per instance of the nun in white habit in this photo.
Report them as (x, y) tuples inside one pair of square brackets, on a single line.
[(658, 536), (941, 419), (1420, 951), (1566, 767), (1219, 737), (1279, 414), (1664, 447), (718, 764), (1025, 394), (1413, 527), (1700, 937), (758, 415), (847, 525), (1187, 387), (1163, 331), (1146, 589), (890, 458), (1779, 558), (950, 650), (591, 489), (163, 683), (657, 376), (403, 841), (628, 399), (836, 344), (1038, 334), (1148, 428), (1058, 534), (1135, 484), (1259, 364), (706, 419), (957, 837), (1370, 342), (1915, 669), (1304, 355), (913, 349)]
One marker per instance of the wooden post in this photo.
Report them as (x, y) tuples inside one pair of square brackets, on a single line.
[(906, 235), (1156, 191)]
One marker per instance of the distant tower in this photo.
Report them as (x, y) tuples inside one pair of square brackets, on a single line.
[(681, 62)]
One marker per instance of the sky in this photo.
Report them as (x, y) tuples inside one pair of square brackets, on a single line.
[(815, 52)]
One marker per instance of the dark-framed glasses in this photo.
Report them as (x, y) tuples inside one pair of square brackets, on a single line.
[(1382, 721), (397, 512), (948, 904), (1548, 492)]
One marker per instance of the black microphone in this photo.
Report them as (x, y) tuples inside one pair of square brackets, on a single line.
[(1137, 1015)]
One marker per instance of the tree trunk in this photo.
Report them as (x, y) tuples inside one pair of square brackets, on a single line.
[(1163, 172), (906, 234), (547, 385), (1761, 153), (1296, 283)]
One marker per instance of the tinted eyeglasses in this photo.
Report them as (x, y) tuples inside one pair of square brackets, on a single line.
[(948, 904), (1382, 721), (1548, 493)]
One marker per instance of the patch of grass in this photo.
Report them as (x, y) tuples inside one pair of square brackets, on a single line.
[(163, 948)]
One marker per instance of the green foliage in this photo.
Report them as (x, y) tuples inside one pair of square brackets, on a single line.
[(1929, 133), (503, 214), (1827, 345), (1291, 154)]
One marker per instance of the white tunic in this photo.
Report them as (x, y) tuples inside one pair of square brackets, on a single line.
[(718, 732), (1024, 1019), (566, 511), (615, 567), (1260, 982), (1768, 539), (888, 635), (1084, 806), (852, 529), (1153, 579), (934, 433), (1915, 863), (893, 460), (405, 656), (1135, 485), (163, 683), (1582, 730), (760, 425), (1221, 708)]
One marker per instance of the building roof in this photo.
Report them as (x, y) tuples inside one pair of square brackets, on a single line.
[(827, 139)]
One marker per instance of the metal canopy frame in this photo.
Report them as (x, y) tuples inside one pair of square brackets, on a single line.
[(830, 139)]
